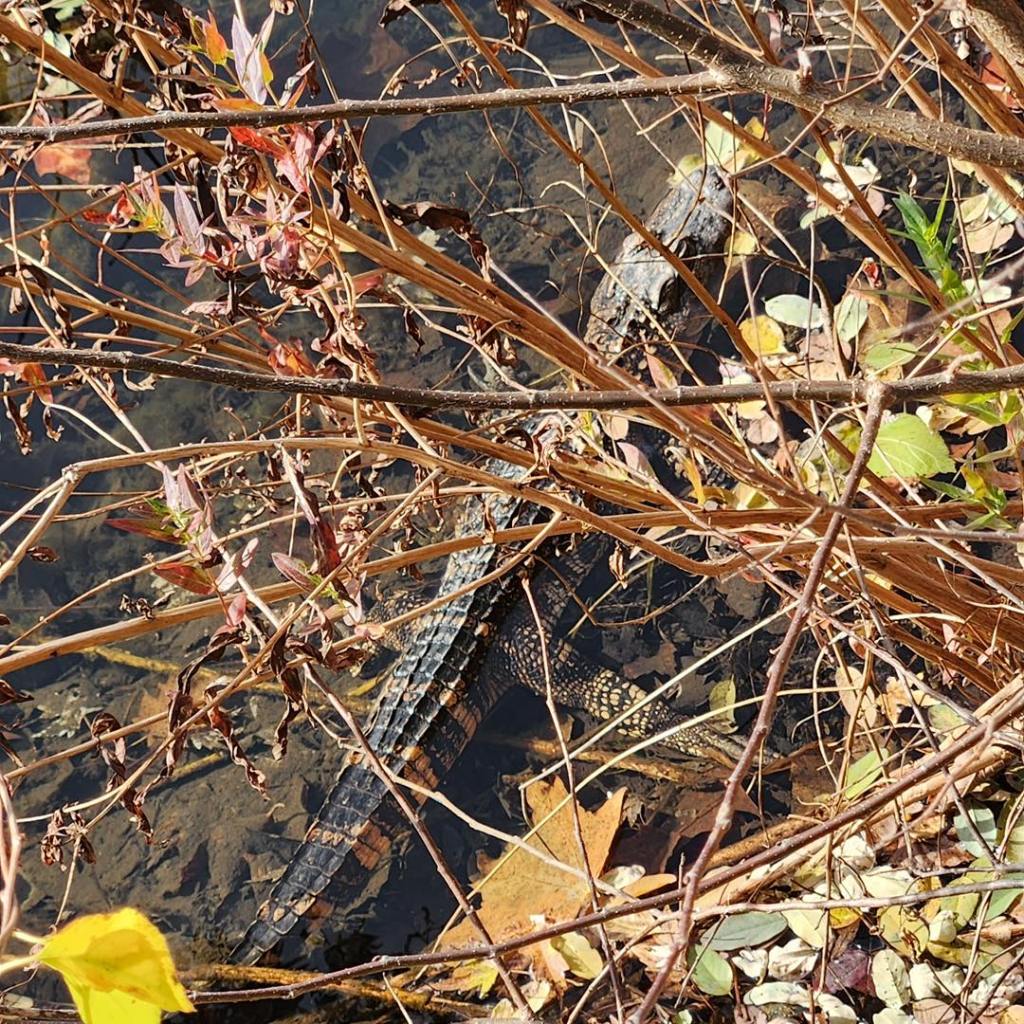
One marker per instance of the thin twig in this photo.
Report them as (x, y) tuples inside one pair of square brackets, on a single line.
[(879, 400)]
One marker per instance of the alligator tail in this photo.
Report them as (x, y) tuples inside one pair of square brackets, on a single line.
[(345, 846)]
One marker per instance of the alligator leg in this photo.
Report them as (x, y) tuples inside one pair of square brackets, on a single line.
[(577, 682)]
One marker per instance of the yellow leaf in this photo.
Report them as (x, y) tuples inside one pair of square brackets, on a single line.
[(117, 967), (584, 961), (763, 335), (843, 917), (741, 243), (114, 1007)]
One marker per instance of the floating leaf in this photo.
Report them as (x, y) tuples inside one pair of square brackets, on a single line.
[(519, 888), (741, 930), (712, 973), (907, 447), (795, 311), (117, 967)]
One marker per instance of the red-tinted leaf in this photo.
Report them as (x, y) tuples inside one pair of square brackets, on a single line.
[(292, 570), (34, 375), (994, 76), (188, 221), (369, 280), (288, 360), (64, 160), (188, 577), (296, 163), (237, 610), (219, 721), (9, 695), (235, 566), (257, 140), (41, 553), (152, 526)]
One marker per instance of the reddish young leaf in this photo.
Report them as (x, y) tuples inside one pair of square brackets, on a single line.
[(257, 140), (292, 570), (214, 43), (146, 524), (188, 577), (288, 360)]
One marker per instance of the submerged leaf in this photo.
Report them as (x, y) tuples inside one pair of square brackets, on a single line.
[(520, 889)]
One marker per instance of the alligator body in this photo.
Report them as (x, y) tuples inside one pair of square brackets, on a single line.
[(464, 655)]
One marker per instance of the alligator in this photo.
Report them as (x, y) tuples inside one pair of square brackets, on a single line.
[(465, 654)]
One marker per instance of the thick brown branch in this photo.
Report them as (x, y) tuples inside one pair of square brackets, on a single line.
[(424, 106), (743, 73), (922, 388)]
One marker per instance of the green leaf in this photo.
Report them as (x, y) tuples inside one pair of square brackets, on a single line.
[(796, 311), (750, 929), (984, 824), (907, 447), (712, 973), (863, 774), (994, 409), (999, 901), (851, 316), (886, 355)]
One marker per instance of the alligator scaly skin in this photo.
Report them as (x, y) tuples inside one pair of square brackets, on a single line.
[(431, 705), (464, 655)]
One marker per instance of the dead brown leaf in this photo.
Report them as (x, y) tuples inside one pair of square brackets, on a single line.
[(522, 893), (698, 807)]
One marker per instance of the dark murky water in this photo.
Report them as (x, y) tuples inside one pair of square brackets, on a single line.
[(216, 842)]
